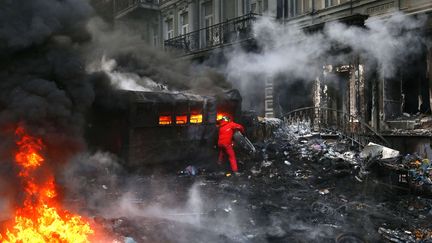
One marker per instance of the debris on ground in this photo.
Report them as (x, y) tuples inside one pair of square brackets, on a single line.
[(373, 150), (299, 187), (420, 171), (406, 236)]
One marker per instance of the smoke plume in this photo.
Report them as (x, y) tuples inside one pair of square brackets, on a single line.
[(148, 67), (57, 60), (291, 53)]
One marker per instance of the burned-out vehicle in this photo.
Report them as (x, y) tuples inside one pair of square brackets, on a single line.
[(161, 127)]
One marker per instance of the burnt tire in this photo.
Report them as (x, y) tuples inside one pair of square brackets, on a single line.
[(349, 238)]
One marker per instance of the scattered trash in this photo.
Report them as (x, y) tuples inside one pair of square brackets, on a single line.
[(324, 191), (296, 170), (228, 209), (395, 235), (104, 187), (373, 150), (254, 171), (421, 171), (317, 147), (266, 163), (191, 170)]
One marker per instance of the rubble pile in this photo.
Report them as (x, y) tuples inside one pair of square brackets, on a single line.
[(300, 142), (407, 124), (420, 170), (413, 170), (299, 187), (406, 236), (322, 173)]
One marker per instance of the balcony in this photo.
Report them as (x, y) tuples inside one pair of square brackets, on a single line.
[(226, 33), (124, 7)]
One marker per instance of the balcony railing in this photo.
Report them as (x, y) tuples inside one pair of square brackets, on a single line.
[(228, 32), (328, 120), (123, 7)]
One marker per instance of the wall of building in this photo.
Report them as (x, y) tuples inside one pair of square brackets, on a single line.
[(374, 100), (204, 13), (174, 18)]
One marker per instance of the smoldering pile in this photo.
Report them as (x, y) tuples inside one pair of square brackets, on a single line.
[(299, 187)]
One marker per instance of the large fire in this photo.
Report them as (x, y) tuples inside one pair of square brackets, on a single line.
[(41, 219)]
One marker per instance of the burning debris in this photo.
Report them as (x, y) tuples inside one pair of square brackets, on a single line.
[(41, 218), (299, 185)]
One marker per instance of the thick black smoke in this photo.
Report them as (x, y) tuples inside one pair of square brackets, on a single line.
[(31, 23), (43, 83), (132, 56), (47, 87)]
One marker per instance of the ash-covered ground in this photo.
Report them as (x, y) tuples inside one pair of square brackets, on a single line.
[(298, 188)]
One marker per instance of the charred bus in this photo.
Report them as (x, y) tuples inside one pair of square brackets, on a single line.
[(161, 127)]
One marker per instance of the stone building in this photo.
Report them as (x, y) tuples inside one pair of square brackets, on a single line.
[(141, 16), (379, 102), (195, 29), (351, 96)]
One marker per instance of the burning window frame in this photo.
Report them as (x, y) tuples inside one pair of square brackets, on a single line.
[(165, 120), (132, 131), (181, 119), (196, 118)]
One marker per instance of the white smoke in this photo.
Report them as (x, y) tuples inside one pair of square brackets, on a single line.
[(114, 193), (388, 41), (125, 80), (289, 51)]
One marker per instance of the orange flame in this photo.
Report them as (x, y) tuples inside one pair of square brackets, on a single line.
[(40, 219), (222, 114), (165, 120), (196, 118), (182, 119)]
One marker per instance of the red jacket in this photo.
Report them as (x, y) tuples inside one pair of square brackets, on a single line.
[(226, 132)]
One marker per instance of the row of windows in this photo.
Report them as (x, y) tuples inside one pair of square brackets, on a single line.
[(207, 9), (181, 119), (292, 8), (165, 120)]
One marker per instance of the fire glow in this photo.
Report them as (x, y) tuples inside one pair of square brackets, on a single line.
[(165, 120), (41, 219), (222, 114), (181, 119), (196, 118)]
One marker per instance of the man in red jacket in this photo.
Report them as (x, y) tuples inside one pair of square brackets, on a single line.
[(225, 141)]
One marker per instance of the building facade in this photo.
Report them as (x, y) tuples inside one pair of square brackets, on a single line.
[(181, 17), (380, 102), (162, 20), (352, 97), (195, 28)]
